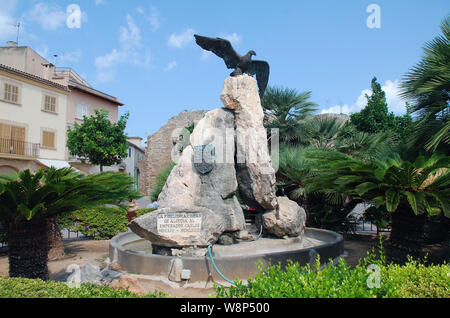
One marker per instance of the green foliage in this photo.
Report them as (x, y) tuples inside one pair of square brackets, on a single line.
[(412, 280), (427, 85), (47, 193), (98, 140), (421, 186), (98, 223), (36, 288), (330, 211), (161, 181), (286, 109), (381, 218), (374, 117), (183, 138)]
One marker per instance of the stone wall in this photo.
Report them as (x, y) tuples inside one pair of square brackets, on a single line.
[(158, 152)]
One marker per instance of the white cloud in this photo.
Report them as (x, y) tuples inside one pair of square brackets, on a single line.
[(7, 31), (129, 52), (99, 2), (50, 17), (170, 66), (394, 102), (69, 57), (43, 51), (180, 40), (234, 38), (154, 18), (140, 10), (110, 59), (130, 36)]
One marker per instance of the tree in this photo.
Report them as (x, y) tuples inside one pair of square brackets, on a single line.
[(408, 190), (427, 86), (29, 201), (98, 140), (374, 117), (286, 109), (327, 210)]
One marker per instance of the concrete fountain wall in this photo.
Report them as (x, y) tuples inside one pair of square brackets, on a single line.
[(234, 261)]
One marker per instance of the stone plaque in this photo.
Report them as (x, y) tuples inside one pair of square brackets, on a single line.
[(179, 223)]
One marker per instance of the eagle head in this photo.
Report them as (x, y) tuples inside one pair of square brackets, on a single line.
[(251, 53)]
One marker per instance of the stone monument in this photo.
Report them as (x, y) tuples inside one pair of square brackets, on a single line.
[(228, 153)]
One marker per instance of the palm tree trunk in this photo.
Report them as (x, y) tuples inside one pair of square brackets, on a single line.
[(55, 240), (407, 236), (27, 249)]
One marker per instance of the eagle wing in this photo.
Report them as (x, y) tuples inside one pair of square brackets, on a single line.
[(221, 47), (262, 70)]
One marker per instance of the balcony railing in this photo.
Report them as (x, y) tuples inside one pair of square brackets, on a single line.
[(18, 147)]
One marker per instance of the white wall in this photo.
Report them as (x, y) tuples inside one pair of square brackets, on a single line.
[(29, 113)]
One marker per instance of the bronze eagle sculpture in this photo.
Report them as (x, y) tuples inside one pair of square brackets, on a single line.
[(241, 64)]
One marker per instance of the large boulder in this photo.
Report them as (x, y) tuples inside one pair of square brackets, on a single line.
[(179, 227), (255, 174), (288, 220), (187, 187)]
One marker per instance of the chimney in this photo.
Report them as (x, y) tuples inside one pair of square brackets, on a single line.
[(11, 44)]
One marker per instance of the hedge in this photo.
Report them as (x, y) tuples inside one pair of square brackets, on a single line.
[(36, 288), (100, 223), (413, 280)]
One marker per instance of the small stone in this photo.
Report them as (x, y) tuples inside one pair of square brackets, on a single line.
[(288, 220), (185, 274), (110, 275), (226, 239), (90, 274), (176, 267)]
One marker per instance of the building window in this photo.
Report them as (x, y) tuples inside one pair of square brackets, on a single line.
[(49, 103), (129, 152), (82, 110), (11, 93), (48, 139), (12, 139), (108, 115)]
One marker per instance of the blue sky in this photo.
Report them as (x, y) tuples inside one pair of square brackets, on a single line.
[(144, 53)]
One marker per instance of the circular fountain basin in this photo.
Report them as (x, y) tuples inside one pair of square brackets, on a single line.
[(134, 255)]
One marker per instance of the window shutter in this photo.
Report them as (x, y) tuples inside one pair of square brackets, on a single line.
[(50, 103), (48, 139), (7, 95)]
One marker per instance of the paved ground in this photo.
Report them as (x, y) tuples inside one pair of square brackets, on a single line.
[(95, 252), (78, 252)]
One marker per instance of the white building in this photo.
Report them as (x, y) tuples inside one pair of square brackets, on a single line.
[(32, 120), (130, 165)]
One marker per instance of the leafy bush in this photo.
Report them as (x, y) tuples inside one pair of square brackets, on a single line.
[(342, 281), (160, 182), (100, 223), (36, 288)]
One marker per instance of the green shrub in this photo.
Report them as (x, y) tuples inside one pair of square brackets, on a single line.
[(342, 281), (99, 223), (160, 182), (36, 288)]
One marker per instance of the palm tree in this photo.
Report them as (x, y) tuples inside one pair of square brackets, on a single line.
[(333, 133), (427, 86), (28, 201), (286, 109), (409, 191)]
